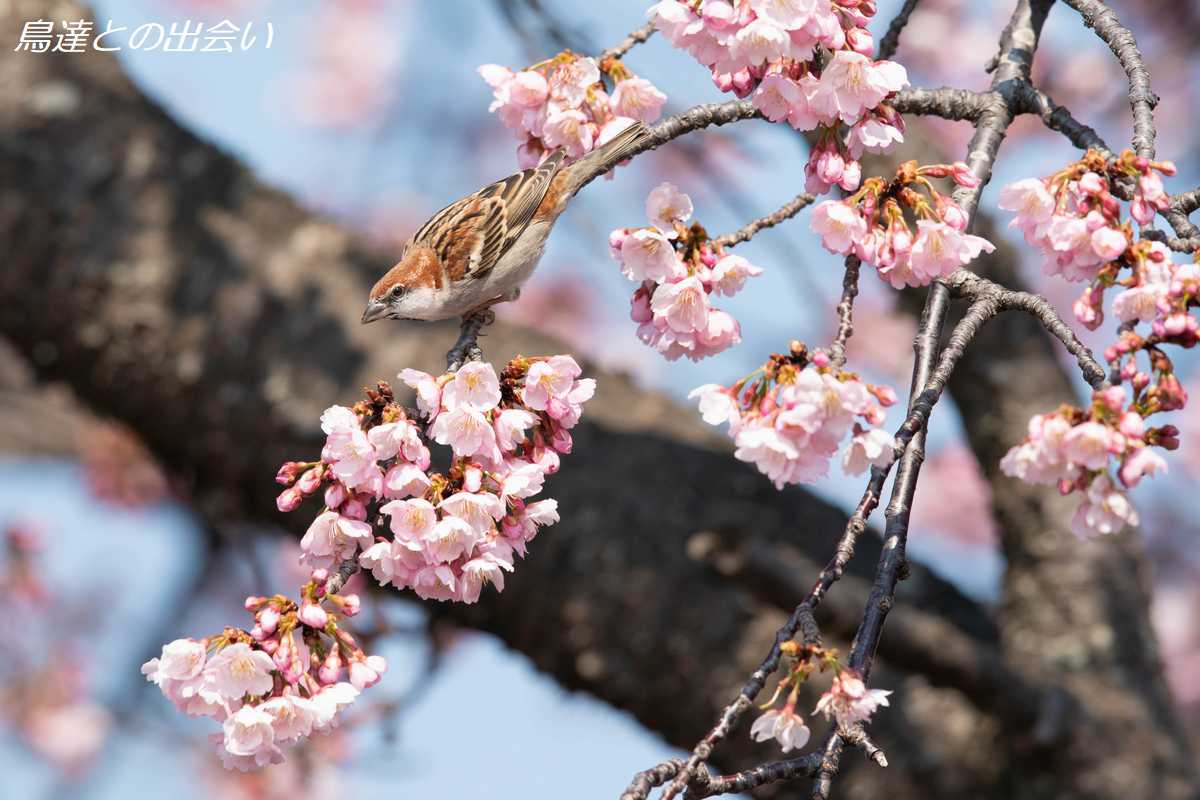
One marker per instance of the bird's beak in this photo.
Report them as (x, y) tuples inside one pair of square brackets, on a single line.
[(376, 309)]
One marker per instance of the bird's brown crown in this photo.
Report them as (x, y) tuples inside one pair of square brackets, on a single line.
[(419, 266)]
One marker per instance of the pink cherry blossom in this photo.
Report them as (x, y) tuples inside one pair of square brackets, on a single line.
[(730, 274), (465, 430), (872, 448), (569, 130), (777, 96), (237, 670), (666, 206), (838, 225), (475, 386), (683, 305), (1105, 510), (637, 98), (648, 255), (849, 701)]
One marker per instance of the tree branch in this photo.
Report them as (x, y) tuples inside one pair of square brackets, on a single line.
[(635, 37), (788, 210), (891, 39), (1142, 100)]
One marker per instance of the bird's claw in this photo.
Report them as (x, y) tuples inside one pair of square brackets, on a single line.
[(467, 347)]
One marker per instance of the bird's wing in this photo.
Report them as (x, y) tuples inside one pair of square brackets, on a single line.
[(470, 235)]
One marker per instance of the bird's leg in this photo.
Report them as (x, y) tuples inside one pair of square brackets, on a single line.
[(467, 347)]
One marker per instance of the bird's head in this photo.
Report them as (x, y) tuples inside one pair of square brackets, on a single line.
[(407, 289)]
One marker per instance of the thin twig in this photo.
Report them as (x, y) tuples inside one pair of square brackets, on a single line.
[(1142, 100), (635, 37), (845, 311), (891, 39), (788, 210)]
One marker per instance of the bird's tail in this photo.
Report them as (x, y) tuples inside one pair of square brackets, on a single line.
[(630, 141)]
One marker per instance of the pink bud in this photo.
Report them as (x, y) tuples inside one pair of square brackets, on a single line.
[(289, 500), (254, 603), (377, 663), (886, 395), (723, 81), (1092, 183), (561, 440), (313, 615), (351, 604), (963, 175), (639, 310), (954, 216), (362, 676), (1132, 425), (861, 41), (319, 576), (288, 472), (1113, 398), (268, 619), (1141, 211), (743, 83), (829, 165), (331, 668), (851, 176), (472, 479), (310, 480), (335, 495), (354, 509)]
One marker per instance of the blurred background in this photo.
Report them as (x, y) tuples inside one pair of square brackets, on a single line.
[(127, 524)]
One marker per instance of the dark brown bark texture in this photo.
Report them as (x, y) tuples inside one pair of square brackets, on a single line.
[(153, 275)]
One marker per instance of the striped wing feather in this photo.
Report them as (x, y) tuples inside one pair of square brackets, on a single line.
[(471, 235)]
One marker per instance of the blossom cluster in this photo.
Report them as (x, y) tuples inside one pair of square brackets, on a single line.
[(678, 269), (1076, 219), (790, 416), (1073, 217), (444, 534), (847, 700), (276, 684), (872, 225), (767, 50), (562, 102)]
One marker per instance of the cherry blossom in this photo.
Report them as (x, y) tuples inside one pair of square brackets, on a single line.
[(785, 726), (767, 50), (679, 270), (871, 223), (789, 418), (564, 102), (1075, 218), (849, 701)]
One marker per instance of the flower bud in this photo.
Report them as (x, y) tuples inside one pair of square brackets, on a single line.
[(313, 615), (310, 480), (268, 619), (289, 500), (335, 495)]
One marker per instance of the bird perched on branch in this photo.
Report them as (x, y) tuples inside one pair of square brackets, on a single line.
[(477, 251)]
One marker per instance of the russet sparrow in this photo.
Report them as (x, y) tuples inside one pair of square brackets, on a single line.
[(478, 251)]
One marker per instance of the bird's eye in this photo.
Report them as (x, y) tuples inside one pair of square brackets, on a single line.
[(398, 291)]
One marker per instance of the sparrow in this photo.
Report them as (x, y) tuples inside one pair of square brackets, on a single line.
[(478, 251)]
